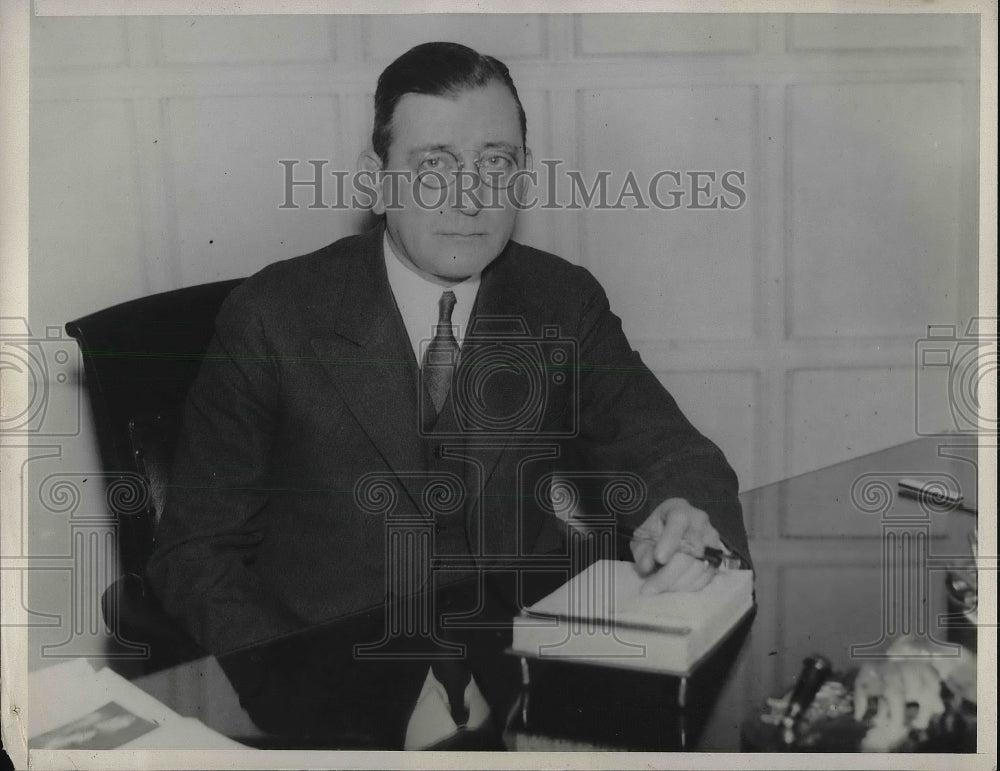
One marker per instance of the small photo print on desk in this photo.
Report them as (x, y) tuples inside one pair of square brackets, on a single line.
[(105, 728)]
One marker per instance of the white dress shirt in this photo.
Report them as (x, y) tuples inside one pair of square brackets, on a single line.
[(417, 300)]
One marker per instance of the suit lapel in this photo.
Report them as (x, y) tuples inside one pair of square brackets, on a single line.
[(369, 358)]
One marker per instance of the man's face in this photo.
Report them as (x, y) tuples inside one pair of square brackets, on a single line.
[(445, 235)]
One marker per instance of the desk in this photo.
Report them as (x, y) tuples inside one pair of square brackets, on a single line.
[(821, 543)]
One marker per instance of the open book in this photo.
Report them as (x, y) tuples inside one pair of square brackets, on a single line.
[(600, 618)]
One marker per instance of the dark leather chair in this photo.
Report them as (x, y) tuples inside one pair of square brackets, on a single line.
[(140, 359)]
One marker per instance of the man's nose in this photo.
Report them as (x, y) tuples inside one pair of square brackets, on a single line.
[(468, 191)]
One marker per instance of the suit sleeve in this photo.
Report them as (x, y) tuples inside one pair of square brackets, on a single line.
[(629, 422), (202, 566)]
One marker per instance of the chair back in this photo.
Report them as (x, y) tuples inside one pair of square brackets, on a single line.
[(140, 359)]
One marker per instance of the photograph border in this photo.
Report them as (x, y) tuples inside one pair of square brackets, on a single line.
[(14, 267)]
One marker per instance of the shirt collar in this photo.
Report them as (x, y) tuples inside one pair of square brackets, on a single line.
[(417, 298)]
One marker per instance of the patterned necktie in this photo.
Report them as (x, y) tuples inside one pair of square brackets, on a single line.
[(440, 360), (441, 355)]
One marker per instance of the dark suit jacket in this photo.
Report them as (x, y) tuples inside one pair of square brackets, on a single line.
[(310, 386)]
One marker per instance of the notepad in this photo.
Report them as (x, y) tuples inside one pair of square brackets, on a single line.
[(599, 617)]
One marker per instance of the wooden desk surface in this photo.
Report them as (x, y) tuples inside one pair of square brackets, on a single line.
[(819, 544)]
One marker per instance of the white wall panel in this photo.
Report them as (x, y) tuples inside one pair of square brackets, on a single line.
[(507, 36), (824, 32), (85, 228), (246, 39), (543, 229), (681, 273), (228, 184), (640, 33), (72, 42), (836, 414), (873, 207)]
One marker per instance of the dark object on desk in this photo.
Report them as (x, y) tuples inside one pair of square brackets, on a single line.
[(140, 359), (962, 597), (963, 608), (829, 723), (815, 671), (573, 706), (935, 496)]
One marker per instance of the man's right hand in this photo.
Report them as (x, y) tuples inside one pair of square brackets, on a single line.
[(665, 546)]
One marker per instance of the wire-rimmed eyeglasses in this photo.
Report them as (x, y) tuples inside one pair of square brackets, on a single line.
[(440, 168)]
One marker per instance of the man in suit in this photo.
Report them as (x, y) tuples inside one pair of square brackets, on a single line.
[(427, 377)]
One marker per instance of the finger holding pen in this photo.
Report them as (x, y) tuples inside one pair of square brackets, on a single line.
[(674, 547), (643, 546)]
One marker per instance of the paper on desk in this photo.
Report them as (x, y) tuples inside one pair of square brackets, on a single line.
[(106, 728), (184, 733), (66, 693)]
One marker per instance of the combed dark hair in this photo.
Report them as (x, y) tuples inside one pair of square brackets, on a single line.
[(435, 69)]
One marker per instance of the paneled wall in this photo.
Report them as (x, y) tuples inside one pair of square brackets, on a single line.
[(784, 327)]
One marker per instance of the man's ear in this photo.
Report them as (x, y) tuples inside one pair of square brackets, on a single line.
[(369, 166)]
